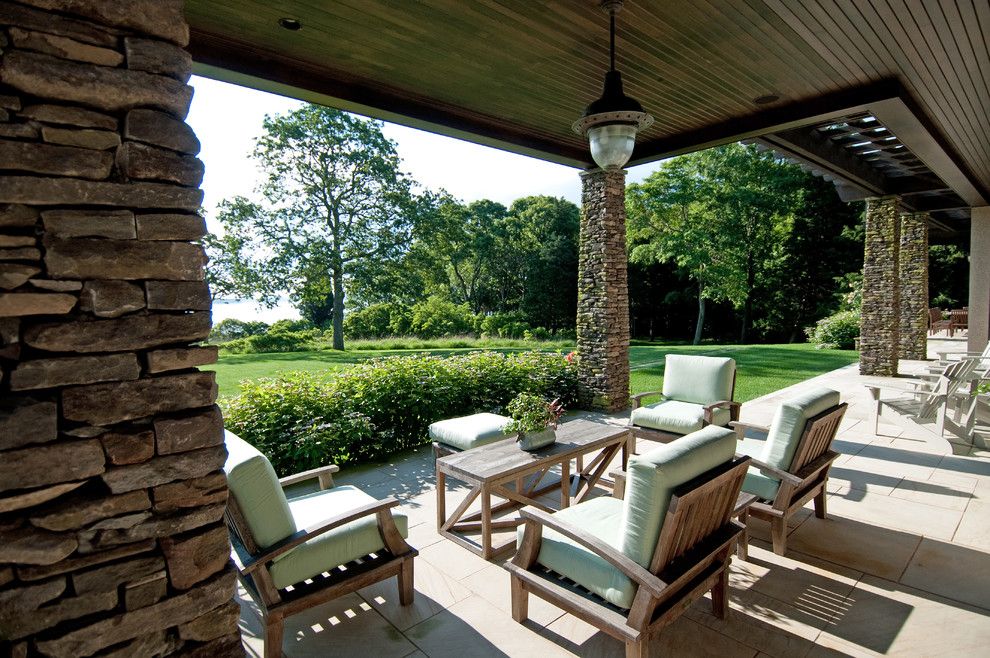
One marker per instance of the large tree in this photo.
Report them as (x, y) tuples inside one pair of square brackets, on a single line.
[(333, 197), (670, 223)]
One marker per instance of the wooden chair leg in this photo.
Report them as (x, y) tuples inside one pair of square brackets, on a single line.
[(639, 648), (520, 600), (405, 582), (274, 628), (778, 530), (821, 508), (720, 594), (742, 546)]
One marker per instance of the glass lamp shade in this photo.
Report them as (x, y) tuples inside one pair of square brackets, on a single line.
[(612, 144)]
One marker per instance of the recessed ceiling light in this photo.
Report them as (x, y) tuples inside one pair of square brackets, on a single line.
[(766, 100), (290, 24)]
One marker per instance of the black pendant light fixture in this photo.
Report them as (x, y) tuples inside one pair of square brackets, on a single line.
[(611, 122)]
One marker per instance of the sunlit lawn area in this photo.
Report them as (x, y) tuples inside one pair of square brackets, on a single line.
[(762, 368)]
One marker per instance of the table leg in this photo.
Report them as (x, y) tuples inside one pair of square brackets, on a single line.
[(565, 483), (441, 498), (486, 523)]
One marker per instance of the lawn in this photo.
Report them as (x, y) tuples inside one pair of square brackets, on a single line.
[(761, 368)]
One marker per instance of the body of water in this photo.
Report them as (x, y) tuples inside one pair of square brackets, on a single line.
[(249, 310)]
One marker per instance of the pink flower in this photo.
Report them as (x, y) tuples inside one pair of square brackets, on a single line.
[(570, 357)]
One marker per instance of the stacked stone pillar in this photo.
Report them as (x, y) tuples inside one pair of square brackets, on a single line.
[(913, 265), (111, 447), (603, 292), (879, 332)]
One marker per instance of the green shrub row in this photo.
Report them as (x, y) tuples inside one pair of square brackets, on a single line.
[(304, 420)]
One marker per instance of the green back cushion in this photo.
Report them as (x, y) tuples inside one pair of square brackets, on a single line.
[(255, 487), (654, 475), (698, 379), (788, 424)]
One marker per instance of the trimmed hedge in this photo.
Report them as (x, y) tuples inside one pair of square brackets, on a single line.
[(304, 420)]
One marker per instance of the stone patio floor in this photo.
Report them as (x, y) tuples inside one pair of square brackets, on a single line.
[(901, 567)]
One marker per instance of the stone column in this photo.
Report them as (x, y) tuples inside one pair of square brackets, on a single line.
[(914, 287), (879, 326), (603, 294), (979, 279), (111, 447)]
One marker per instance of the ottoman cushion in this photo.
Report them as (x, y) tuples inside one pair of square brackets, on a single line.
[(469, 432)]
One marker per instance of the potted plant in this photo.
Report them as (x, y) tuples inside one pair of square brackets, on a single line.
[(534, 420)]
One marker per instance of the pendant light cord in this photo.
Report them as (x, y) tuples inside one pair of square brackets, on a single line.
[(611, 40)]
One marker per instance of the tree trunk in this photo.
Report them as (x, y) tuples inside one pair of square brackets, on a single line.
[(701, 317), (338, 308), (748, 305)]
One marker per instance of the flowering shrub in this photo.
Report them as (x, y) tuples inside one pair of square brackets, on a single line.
[(838, 331), (303, 420)]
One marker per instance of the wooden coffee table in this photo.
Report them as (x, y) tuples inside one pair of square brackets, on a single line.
[(504, 470)]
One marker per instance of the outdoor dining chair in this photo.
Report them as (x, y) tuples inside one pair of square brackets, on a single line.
[(630, 567), (293, 554)]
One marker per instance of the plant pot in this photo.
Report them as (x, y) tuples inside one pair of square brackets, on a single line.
[(537, 440)]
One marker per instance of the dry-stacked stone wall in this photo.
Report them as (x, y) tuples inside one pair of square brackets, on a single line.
[(880, 319), (112, 539), (603, 292), (914, 286)]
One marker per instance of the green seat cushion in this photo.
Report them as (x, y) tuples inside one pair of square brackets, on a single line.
[(698, 379), (654, 475), (676, 417), (255, 487), (756, 482), (788, 424), (601, 518), (335, 547), (469, 432)]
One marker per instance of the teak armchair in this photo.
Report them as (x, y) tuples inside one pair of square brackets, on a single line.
[(697, 391), (350, 539), (630, 567), (790, 465)]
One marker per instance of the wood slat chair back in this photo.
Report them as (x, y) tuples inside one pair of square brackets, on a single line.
[(697, 509), (819, 432)]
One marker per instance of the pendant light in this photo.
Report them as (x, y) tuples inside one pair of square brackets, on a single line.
[(611, 122)]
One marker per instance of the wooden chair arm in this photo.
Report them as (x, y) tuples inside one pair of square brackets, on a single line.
[(324, 473), (741, 427), (733, 408), (301, 536), (610, 554), (811, 468), (637, 399), (781, 475), (944, 356)]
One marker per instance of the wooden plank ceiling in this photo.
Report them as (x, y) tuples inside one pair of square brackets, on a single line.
[(516, 73)]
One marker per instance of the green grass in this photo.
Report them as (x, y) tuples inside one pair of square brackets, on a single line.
[(762, 369)]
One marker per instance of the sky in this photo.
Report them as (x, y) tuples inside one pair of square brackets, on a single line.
[(227, 119)]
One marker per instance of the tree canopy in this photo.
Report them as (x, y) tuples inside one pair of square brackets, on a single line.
[(333, 196), (726, 218)]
